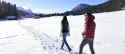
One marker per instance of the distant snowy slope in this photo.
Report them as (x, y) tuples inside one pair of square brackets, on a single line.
[(21, 8), (29, 11), (26, 10)]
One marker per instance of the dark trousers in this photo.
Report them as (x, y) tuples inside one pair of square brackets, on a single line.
[(83, 43), (64, 41)]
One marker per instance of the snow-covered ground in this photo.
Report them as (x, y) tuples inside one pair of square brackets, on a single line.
[(42, 36)]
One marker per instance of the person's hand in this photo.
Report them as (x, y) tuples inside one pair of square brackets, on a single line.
[(83, 33), (84, 36), (60, 34), (68, 34)]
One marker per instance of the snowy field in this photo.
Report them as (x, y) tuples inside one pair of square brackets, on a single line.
[(42, 36)]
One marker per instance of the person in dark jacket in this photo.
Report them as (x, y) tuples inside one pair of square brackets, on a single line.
[(65, 31), (88, 33)]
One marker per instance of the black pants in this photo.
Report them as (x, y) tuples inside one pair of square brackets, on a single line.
[(84, 42)]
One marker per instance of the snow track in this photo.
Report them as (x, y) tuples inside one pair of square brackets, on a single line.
[(49, 44)]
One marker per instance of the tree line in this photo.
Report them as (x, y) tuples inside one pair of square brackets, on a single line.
[(7, 9)]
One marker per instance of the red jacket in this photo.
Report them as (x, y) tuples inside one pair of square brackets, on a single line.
[(90, 25)]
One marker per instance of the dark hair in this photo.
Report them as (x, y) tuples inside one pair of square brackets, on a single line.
[(89, 13), (64, 19), (65, 24)]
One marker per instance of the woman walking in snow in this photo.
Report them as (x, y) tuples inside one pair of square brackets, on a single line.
[(88, 33), (65, 31)]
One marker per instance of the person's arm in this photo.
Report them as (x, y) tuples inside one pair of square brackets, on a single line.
[(69, 30), (87, 26), (61, 30)]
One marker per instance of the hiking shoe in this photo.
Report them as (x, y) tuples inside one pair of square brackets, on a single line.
[(61, 48), (70, 50)]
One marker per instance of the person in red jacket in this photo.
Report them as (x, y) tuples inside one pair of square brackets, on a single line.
[(88, 33)]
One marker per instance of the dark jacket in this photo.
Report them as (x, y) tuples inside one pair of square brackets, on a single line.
[(65, 27)]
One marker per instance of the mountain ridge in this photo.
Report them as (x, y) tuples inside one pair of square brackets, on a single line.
[(25, 10), (108, 6), (80, 7)]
